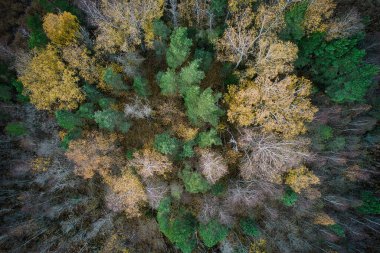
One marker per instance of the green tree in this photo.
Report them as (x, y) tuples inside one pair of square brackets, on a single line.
[(114, 80), (86, 111), (249, 227), (68, 120), (371, 203), (294, 17), (141, 86), (112, 120), (212, 232), (337, 66), (290, 197), (5, 93), (15, 129), (201, 106), (187, 149), (205, 58), (179, 227), (179, 48), (167, 82), (209, 138), (190, 75), (37, 37), (166, 144), (194, 181)]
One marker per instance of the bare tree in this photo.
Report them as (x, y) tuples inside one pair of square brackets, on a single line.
[(212, 165)]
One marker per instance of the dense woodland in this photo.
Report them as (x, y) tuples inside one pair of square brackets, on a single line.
[(232, 126)]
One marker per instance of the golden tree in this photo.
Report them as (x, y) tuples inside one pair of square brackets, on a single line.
[(245, 29), (78, 58), (62, 29), (95, 153), (126, 194), (49, 83), (274, 57), (282, 106), (124, 24), (241, 101), (300, 178), (317, 15)]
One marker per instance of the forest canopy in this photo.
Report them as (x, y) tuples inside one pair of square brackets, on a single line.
[(233, 126)]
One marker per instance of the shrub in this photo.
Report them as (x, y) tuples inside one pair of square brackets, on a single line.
[(37, 35), (212, 232), (371, 204), (337, 229)]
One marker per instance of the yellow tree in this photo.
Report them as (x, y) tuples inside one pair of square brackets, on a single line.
[(281, 107), (124, 24), (245, 29), (62, 29), (317, 15), (300, 178), (78, 58), (49, 83), (126, 194)]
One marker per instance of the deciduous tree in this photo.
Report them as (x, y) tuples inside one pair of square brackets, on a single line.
[(62, 29), (300, 178), (212, 165), (49, 83)]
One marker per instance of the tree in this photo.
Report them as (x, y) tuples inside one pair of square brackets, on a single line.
[(193, 181), (94, 153), (179, 48), (207, 139), (112, 120), (49, 83), (282, 107), (300, 178), (337, 66), (149, 163), (201, 106), (37, 34), (138, 109), (62, 29), (267, 157), (141, 86), (78, 57), (126, 194), (124, 25), (68, 120), (179, 227), (274, 57), (15, 129), (212, 232), (167, 82), (166, 144), (114, 80), (317, 14), (345, 26), (244, 29), (294, 17), (212, 165), (249, 227), (190, 75)]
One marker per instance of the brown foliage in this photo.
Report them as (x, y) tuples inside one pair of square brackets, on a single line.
[(95, 153)]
